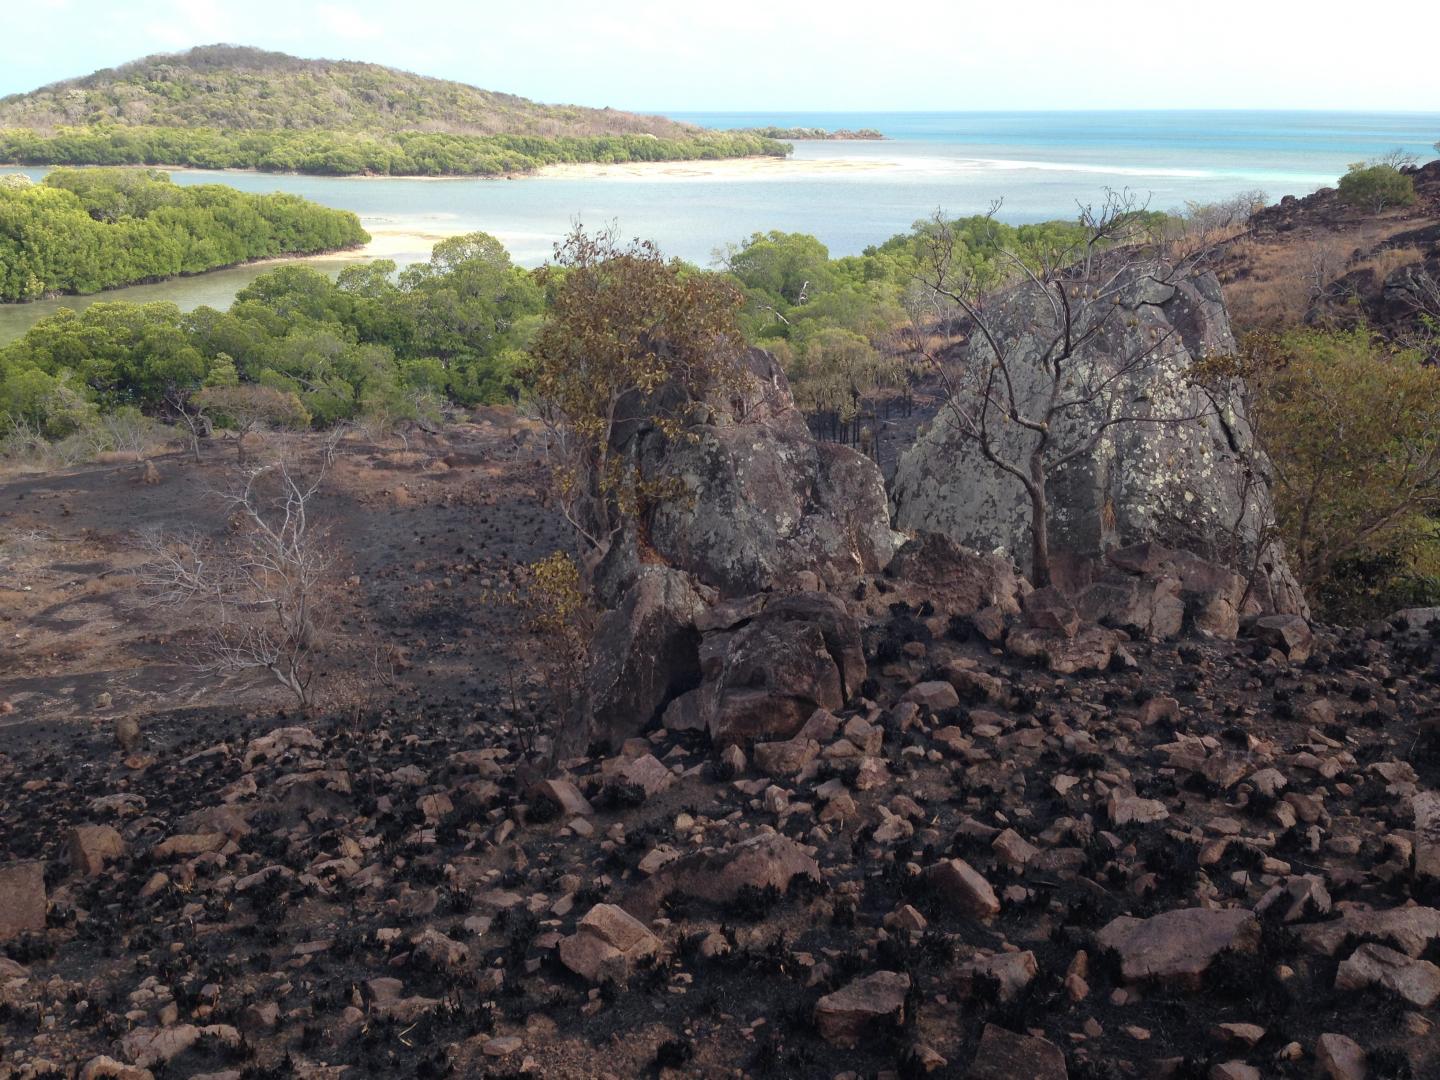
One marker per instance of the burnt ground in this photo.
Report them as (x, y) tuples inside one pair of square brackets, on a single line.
[(340, 847), (423, 535)]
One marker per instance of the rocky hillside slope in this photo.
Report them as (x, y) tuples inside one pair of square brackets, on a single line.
[(1199, 858), (1316, 259)]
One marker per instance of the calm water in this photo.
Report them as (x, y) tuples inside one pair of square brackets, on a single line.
[(1040, 164)]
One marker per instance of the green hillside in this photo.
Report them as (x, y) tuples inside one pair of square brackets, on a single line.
[(224, 106)]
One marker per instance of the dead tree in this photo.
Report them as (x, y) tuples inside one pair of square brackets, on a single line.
[(188, 412), (263, 592), (1033, 399)]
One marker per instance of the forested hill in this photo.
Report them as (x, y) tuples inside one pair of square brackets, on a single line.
[(226, 107), (233, 87)]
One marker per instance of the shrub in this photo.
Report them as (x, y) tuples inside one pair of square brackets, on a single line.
[(1376, 186)]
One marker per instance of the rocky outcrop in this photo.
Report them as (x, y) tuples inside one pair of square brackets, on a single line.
[(762, 503), (1181, 483)]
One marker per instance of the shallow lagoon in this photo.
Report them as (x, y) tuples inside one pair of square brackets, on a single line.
[(849, 194)]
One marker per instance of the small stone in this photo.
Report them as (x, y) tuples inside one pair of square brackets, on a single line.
[(935, 696), (504, 1046), (1132, 810), (964, 887), (1340, 1057)]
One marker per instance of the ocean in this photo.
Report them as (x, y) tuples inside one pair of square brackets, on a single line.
[(849, 194)]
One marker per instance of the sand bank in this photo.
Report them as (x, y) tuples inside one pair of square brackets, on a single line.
[(722, 169)]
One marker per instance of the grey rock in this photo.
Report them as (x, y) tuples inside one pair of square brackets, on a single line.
[(1178, 483)]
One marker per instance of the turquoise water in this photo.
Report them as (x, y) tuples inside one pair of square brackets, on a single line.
[(1040, 164)]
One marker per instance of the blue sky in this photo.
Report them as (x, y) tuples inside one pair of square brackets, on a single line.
[(799, 55)]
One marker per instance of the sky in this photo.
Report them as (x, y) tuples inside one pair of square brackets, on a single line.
[(841, 55)]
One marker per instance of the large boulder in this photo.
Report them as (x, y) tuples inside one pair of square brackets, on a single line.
[(645, 652), (1184, 483), (761, 500), (1152, 591)]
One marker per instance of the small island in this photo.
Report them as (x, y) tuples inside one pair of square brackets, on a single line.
[(86, 230), (814, 134)]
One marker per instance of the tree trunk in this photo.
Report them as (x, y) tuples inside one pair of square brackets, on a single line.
[(1039, 533)]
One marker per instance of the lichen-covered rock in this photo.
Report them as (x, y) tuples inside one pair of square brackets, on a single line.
[(1183, 483)]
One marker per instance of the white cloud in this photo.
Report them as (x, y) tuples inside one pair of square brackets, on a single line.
[(193, 22), (348, 23)]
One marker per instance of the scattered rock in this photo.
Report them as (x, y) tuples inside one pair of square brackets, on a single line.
[(1417, 981)]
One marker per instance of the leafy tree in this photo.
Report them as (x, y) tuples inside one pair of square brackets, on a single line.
[(628, 337)]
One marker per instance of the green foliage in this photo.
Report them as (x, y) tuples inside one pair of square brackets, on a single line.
[(1374, 186), (82, 231), (367, 344)]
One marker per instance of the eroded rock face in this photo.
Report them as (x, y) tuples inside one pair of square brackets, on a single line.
[(763, 501), (1181, 483)]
